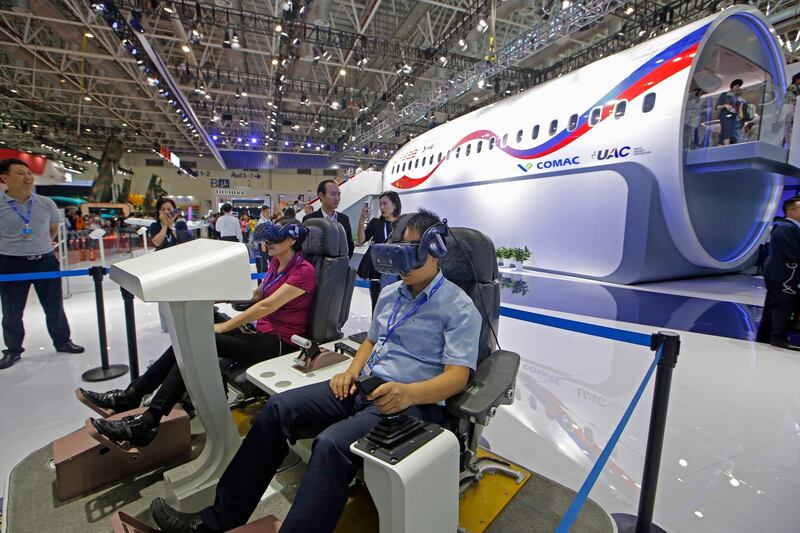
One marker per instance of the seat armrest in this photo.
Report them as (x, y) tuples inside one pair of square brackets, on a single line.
[(490, 386)]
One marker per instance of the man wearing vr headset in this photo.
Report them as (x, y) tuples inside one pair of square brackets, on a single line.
[(423, 342), (279, 310)]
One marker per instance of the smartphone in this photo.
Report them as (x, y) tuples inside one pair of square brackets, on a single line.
[(174, 213)]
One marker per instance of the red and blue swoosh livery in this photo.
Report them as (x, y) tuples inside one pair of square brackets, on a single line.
[(660, 67)]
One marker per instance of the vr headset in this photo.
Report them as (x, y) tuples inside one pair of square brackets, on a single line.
[(403, 257), (271, 232)]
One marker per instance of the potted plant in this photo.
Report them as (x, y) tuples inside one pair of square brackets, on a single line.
[(501, 254), (521, 255)]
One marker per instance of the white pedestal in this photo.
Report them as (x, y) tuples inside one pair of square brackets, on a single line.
[(189, 278), (191, 330), (420, 492)]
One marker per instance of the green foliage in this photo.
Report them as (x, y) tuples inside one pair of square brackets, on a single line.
[(520, 254)]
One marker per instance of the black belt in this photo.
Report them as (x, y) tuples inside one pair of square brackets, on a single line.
[(34, 257)]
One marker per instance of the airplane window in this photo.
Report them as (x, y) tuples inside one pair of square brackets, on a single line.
[(491, 143), (439, 158), (535, 132), (594, 117), (416, 163), (404, 167), (519, 136), (469, 149), (573, 123), (431, 160), (553, 127), (504, 142), (478, 148), (619, 111), (458, 152), (448, 154), (649, 102)]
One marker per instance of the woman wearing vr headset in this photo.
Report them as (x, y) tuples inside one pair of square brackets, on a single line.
[(280, 308), (377, 231)]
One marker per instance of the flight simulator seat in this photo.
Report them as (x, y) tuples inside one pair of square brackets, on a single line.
[(325, 247), (471, 264)]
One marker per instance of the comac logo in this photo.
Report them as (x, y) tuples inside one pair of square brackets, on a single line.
[(558, 163), (611, 153)]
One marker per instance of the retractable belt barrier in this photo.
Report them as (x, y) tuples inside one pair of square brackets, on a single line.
[(666, 346)]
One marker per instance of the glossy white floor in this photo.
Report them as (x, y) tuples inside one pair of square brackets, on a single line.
[(732, 451)]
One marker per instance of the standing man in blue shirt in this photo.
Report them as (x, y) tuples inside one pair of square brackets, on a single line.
[(781, 278), (423, 342), (28, 224)]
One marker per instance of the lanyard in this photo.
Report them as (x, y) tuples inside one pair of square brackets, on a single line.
[(25, 218), (393, 327), (386, 225), (265, 286)]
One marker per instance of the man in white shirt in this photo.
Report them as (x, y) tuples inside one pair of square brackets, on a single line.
[(329, 196), (228, 226)]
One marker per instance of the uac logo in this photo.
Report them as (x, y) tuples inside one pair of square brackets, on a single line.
[(526, 167), (611, 153)]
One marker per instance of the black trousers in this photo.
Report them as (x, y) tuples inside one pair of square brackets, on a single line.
[(779, 305), (245, 348), (14, 295), (297, 414), (229, 239)]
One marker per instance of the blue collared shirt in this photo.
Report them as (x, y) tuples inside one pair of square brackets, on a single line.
[(444, 331)]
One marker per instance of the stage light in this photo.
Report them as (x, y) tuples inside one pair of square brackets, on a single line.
[(286, 143), (226, 39), (253, 140), (87, 98), (244, 93), (88, 35), (482, 25), (278, 28), (238, 94), (215, 137), (186, 48), (235, 41), (274, 60), (342, 72)]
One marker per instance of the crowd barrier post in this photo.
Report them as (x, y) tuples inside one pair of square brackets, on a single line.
[(130, 330), (104, 371), (63, 257), (643, 522), (143, 234), (97, 236)]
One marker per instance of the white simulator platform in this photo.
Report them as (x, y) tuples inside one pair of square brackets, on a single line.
[(189, 278)]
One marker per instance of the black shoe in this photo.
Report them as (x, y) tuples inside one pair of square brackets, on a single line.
[(786, 345), (131, 429), (70, 347), (117, 400), (172, 521), (8, 359)]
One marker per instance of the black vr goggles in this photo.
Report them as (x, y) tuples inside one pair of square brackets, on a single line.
[(271, 232), (403, 257)]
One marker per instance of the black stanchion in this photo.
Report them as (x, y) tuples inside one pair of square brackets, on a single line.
[(130, 330), (104, 371), (643, 522)]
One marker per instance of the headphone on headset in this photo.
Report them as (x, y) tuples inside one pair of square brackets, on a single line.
[(432, 242)]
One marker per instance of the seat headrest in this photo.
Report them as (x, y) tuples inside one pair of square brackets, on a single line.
[(325, 238), (465, 245)]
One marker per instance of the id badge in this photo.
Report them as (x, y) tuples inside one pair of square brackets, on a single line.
[(374, 357), (27, 232)]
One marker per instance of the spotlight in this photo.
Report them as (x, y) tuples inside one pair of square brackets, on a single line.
[(278, 28), (235, 44), (186, 48), (88, 35), (136, 22), (226, 39), (253, 140), (342, 72), (244, 93), (274, 60), (286, 5), (238, 94), (195, 36)]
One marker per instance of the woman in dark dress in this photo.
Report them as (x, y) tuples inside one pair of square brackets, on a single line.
[(377, 231)]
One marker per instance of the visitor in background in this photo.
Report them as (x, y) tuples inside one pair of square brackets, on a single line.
[(162, 232), (262, 255), (329, 196), (730, 110), (28, 224), (781, 277), (228, 226), (377, 231)]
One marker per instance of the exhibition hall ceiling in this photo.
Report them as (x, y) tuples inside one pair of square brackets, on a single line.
[(349, 78)]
